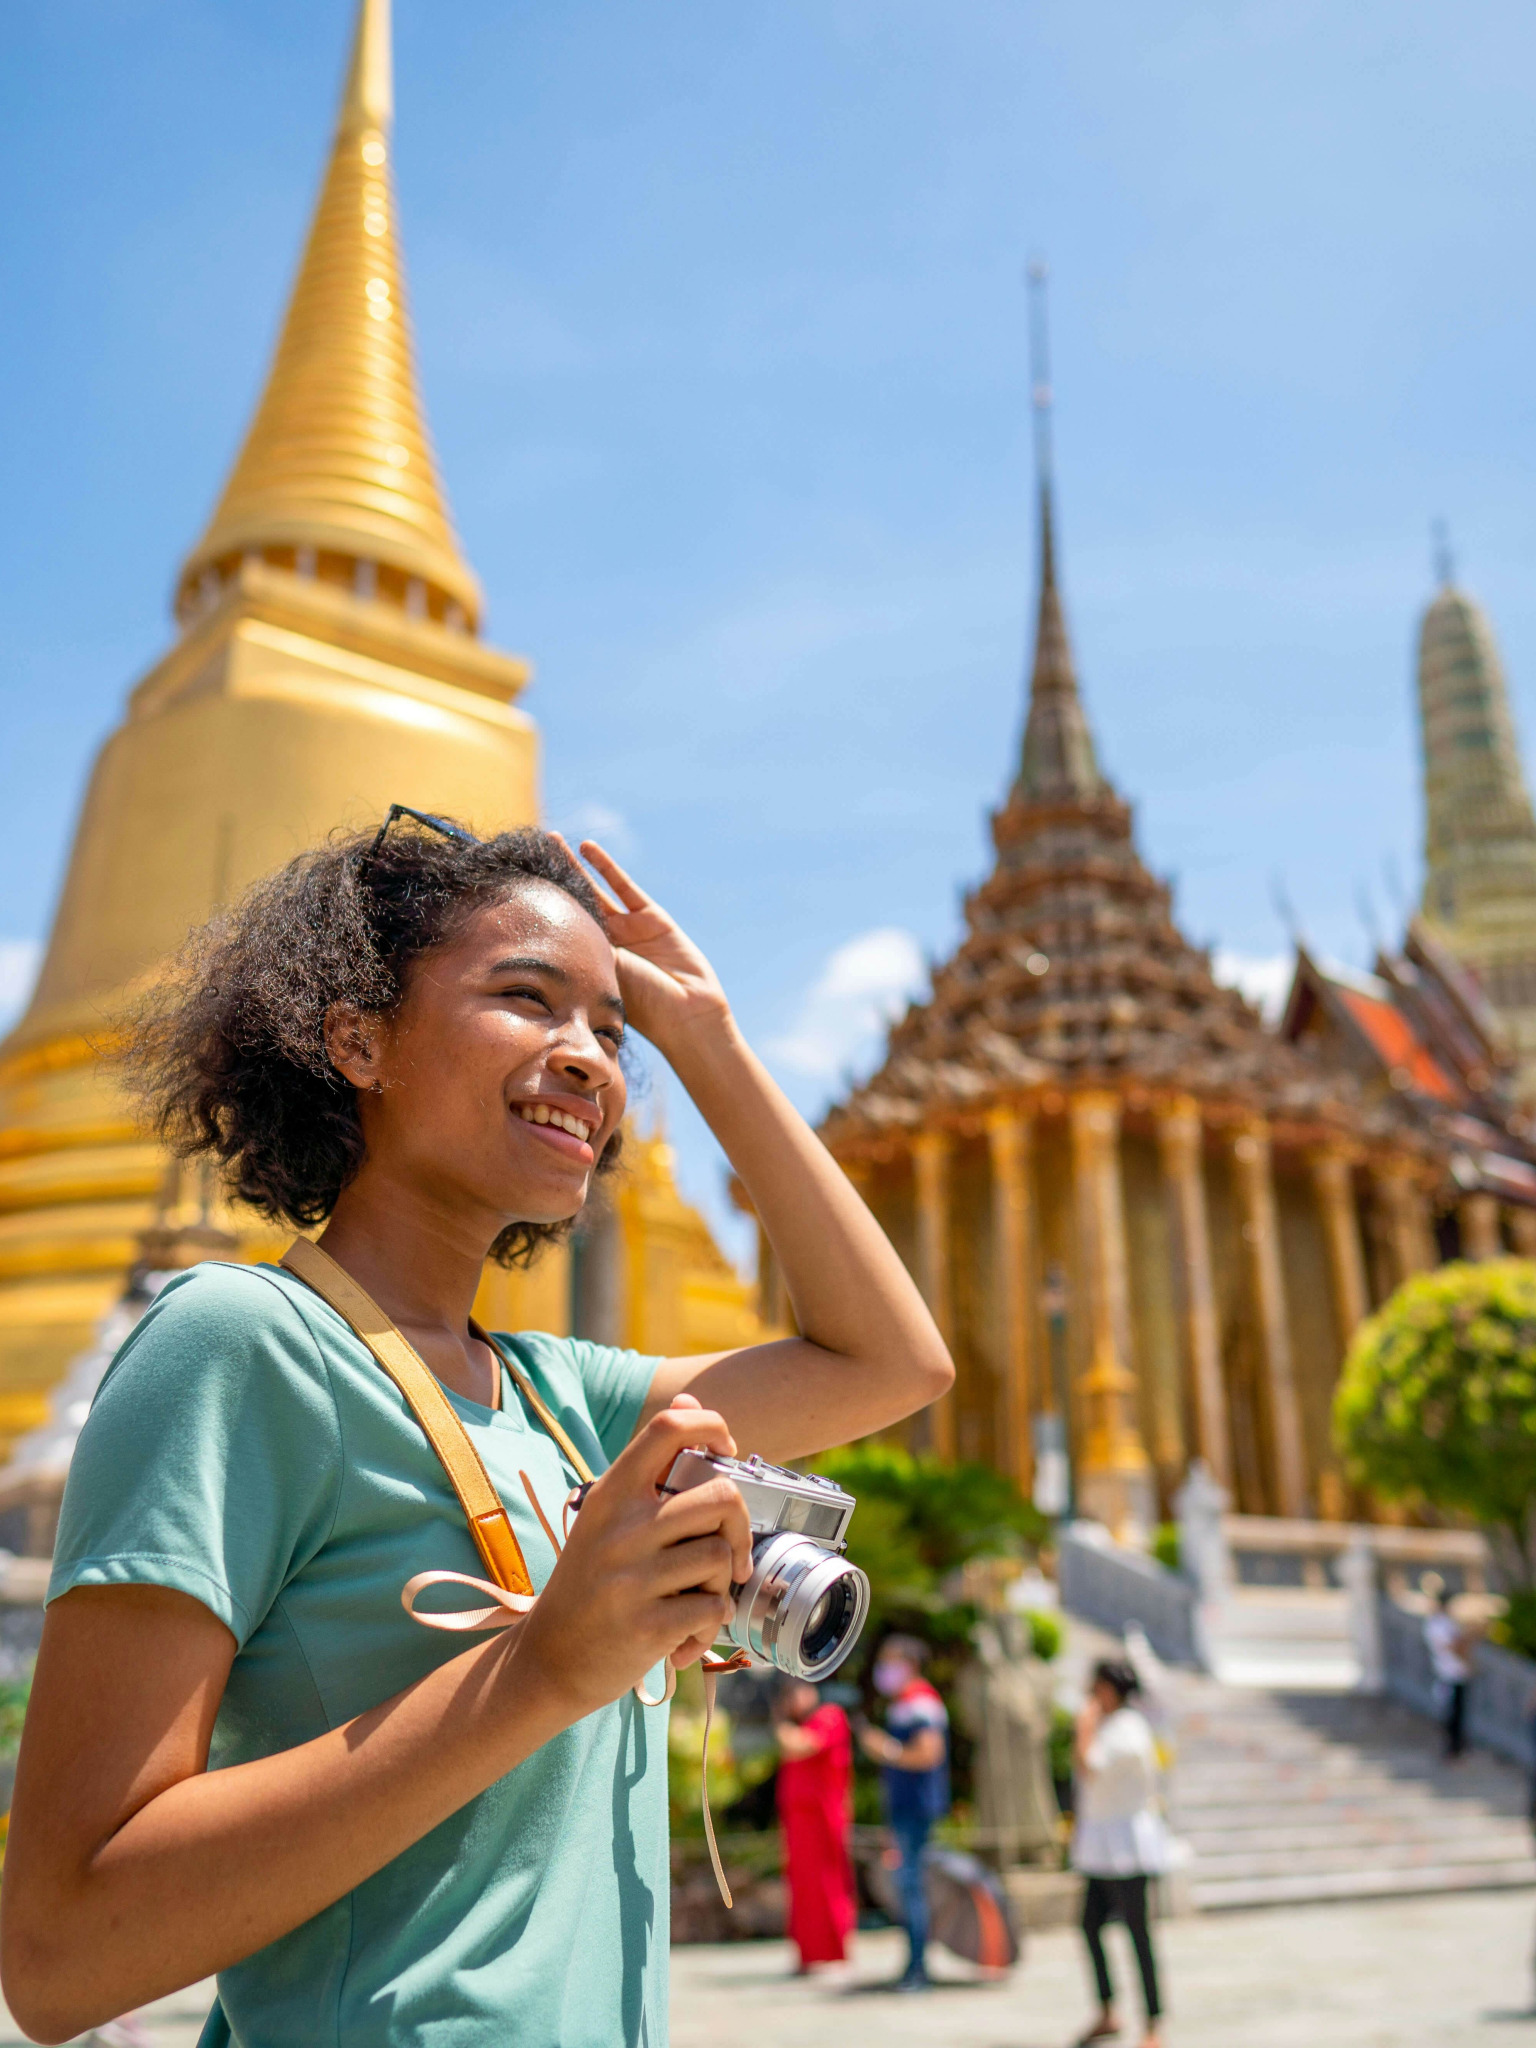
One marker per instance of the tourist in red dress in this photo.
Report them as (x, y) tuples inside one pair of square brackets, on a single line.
[(815, 1791)]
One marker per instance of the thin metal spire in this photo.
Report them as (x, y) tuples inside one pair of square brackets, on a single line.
[(1445, 561), (1058, 761), (1037, 276), (1040, 370)]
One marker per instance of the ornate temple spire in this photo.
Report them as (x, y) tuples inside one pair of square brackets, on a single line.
[(1059, 761), (337, 475), (1479, 828), (1480, 835)]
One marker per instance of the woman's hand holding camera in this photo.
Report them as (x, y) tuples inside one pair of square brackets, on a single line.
[(645, 1575)]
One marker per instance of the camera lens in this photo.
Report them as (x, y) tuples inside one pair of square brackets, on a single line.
[(802, 1607), (828, 1621)]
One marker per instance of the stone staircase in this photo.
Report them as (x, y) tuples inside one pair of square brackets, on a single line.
[(1286, 1796), (1283, 1638)]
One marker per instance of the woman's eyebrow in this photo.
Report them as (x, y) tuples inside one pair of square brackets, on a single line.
[(529, 963)]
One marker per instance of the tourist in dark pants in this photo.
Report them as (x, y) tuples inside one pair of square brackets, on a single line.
[(913, 1747), (1119, 1839), (1449, 1646)]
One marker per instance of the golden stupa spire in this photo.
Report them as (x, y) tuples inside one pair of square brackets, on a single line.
[(337, 476)]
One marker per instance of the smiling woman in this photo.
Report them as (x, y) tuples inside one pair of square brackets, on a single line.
[(370, 1834)]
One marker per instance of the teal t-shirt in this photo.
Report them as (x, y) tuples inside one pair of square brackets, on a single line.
[(245, 1448)]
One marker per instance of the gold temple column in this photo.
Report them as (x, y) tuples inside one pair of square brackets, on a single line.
[(930, 1170), (1010, 1141), (1114, 1483), (1334, 1184), (1179, 1143), (1405, 1210), (1261, 1233), (1522, 1230), (1478, 1216)]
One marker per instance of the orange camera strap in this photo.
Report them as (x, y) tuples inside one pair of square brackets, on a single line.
[(512, 1590), (489, 1523)]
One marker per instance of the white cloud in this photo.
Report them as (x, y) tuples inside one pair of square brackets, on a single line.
[(1264, 978), (861, 990), (610, 828), (19, 962)]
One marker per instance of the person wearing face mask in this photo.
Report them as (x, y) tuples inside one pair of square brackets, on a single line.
[(913, 1750)]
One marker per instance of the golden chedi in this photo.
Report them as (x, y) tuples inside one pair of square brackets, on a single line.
[(328, 665)]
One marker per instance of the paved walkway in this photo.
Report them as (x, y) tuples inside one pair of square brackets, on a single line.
[(1421, 1973), (1416, 1973)]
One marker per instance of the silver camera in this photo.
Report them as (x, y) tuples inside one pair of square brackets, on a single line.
[(803, 1606)]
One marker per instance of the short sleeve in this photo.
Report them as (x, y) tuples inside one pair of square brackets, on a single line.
[(211, 1459), (618, 1384), (923, 1710), (613, 1386)]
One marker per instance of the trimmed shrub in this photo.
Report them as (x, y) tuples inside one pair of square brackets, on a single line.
[(1436, 1405)]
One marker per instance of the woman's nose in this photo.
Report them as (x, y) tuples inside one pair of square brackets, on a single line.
[(582, 1055)]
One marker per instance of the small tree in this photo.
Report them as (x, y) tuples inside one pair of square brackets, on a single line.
[(918, 1519), (1437, 1402)]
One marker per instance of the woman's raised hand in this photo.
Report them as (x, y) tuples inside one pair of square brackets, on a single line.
[(666, 982)]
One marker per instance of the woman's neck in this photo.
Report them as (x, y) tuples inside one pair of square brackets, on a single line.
[(423, 1268)]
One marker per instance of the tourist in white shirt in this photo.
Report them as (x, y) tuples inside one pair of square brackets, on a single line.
[(1449, 1645), (1120, 1839)]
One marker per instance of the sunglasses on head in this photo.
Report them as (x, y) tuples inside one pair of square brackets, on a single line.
[(442, 825)]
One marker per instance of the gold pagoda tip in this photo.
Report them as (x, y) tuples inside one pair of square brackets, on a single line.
[(337, 478), (369, 99)]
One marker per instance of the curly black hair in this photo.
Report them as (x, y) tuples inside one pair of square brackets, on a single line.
[(228, 1053)]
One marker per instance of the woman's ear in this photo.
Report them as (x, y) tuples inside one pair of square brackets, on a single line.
[(352, 1042)]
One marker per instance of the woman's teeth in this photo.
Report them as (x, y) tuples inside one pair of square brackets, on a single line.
[(541, 1113)]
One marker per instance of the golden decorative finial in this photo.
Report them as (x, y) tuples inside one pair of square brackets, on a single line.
[(337, 477), (369, 98)]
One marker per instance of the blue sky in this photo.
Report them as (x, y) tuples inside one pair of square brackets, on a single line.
[(722, 334)]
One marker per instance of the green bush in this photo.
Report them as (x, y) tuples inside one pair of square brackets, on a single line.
[(1045, 1633), (14, 1695), (918, 1521), (936, 1516), (1437, 1402), (1165, 1545), (1515, 1629)]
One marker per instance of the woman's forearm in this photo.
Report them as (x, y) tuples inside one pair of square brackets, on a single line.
[(852, 1296), (221, 1863)]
